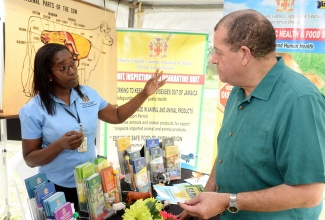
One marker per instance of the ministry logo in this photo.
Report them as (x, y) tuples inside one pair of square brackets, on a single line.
[(285, 5), (158, 48)]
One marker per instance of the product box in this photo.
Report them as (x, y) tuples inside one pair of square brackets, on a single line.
[(155, 153), (123, 146), (64, 212), (53, 203), (43, 192), (171, 162), (100, 163), (134, 155), (154, 159), (167, 142), (95, 197), (111, 189), (153, 142), (140, 175), (33, 182), (81, 172)]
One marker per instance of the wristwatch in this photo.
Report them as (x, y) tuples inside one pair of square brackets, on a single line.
[(233, 204)]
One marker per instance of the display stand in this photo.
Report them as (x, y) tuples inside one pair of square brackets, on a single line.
[(35, 212), (81, 189)]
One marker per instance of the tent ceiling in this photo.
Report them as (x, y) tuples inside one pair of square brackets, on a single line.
[(186, 4)]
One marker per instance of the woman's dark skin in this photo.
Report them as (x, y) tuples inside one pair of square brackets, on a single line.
[(35, 155)]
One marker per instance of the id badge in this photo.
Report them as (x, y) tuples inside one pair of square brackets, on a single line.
[(84, 145)]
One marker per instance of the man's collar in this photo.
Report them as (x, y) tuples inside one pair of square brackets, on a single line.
[(265, 87)]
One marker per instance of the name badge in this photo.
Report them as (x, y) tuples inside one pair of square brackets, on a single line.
[(84, 145)]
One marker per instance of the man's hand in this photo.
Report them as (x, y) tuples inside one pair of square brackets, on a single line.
[(206, 205)]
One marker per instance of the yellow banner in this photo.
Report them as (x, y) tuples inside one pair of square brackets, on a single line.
[(175, 109)]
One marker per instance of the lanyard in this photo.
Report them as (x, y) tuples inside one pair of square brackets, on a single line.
[(83, 145), (70, 113)]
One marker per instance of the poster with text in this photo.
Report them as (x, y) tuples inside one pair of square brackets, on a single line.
[(300, 33), (175, 109), (300, 38), (31, 24)]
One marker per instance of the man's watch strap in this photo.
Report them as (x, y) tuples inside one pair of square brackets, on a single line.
[(233, 204)]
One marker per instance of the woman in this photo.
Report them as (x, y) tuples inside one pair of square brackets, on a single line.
[(59, 123)]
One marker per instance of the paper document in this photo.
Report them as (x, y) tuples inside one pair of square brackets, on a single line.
[(178, 193), (202, 180)]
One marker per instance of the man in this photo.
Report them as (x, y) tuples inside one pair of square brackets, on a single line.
[(271, 147)]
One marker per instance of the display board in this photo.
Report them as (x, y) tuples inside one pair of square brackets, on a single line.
[(300, 39), (175, 109), (31, 24)]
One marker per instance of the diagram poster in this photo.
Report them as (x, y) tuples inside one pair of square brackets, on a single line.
[(87, 30), (175, 109), (300, 38)]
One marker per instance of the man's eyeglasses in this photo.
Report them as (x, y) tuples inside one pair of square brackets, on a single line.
[(66, 67)]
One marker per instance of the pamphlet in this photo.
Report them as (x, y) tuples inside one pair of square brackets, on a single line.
[(178, 193), (202, 180)]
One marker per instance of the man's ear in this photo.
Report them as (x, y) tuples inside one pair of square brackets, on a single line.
[(246, 55)]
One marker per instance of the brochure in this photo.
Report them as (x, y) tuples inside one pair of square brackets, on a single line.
[(178, 193), (202, 180)]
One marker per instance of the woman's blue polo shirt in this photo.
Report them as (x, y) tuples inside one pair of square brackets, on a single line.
[(37, 123)]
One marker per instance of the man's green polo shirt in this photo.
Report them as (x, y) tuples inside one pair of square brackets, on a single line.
[(275, 135)]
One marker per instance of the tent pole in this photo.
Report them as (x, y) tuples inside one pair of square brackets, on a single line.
[(131, 17), (4, 167)]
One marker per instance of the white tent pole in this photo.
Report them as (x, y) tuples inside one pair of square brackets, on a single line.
[(4, 167)]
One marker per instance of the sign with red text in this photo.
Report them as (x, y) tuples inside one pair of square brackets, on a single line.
[(300, 37), (224, 93), (299, 25), (300, 33)]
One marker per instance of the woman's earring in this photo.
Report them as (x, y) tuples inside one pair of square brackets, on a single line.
[(50, 79)]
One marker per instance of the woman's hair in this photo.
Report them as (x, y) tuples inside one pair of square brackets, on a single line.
[(43, 63), (249, 28)]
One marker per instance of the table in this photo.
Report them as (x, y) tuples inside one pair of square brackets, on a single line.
[(174, 209)]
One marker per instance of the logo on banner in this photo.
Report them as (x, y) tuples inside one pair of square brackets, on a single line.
[(321, 4), (285, 5), (158, 48)]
